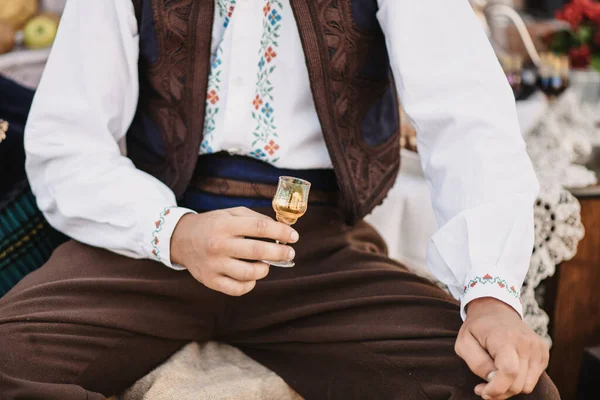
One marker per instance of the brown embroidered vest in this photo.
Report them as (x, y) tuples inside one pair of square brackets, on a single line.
[(350, 77)]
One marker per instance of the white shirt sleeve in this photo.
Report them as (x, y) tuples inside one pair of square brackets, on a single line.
[(84, 105), (482, 181)]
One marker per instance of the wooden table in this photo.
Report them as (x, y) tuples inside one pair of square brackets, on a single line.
[(575, 309)]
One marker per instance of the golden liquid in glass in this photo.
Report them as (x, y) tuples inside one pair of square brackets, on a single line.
[(289, 212)]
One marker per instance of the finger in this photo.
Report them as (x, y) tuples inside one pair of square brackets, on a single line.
[(244, 271), (480, 388), (533, 376), (507, 370), (249, 249), (537, 366), (246, 212), (263, 228), (231, 287), (476, 357), (519, 382)]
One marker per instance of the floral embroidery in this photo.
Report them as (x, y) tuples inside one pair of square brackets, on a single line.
[(271, 147), (226, 8), (257, 102), (158, 224), (213, 97), (258, 153), (265, 133), (489, 279), (270, 54), (212, 101), (267, 110), (274, 17)]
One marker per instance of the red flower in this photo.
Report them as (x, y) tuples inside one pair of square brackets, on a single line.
[(581, 57), (167, 212), (271, 147), (154, 252), (487, 276), (156, 240), (270, 54), (267, 8), (212, 97), (473, 284), (590, 8), (513, 289), (157, 223), (501, 285), (571, 13), (257, 102)]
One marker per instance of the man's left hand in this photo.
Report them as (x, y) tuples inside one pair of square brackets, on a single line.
[(499, 347)]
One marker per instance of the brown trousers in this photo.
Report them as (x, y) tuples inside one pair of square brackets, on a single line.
[(345, 323)]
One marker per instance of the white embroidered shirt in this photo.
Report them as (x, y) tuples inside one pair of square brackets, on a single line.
[(260, 105)]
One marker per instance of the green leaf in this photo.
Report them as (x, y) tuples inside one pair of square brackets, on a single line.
[(584, 34), (562, 42)]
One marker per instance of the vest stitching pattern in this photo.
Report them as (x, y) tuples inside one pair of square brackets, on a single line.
[(352, 95)]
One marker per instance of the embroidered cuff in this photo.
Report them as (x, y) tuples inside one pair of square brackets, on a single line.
[(158, 239), (491, 285)]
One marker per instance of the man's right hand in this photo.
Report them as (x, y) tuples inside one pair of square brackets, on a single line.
[(215, 248)]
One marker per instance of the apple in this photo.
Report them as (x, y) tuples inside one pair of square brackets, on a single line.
[(40, 31)]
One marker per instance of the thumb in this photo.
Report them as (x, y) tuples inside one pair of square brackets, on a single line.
[(476, 357)]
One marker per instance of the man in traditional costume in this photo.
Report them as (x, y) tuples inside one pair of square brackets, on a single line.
[(218, 98)]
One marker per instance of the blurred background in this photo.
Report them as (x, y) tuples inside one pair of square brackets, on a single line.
[(550, 53)]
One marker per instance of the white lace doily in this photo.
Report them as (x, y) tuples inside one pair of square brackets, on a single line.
[(558, 230), (562, 139)]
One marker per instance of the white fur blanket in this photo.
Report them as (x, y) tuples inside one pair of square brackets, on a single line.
[(210, 371)]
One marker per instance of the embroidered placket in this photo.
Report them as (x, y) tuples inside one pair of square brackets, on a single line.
[(213, 96), (265, 141)]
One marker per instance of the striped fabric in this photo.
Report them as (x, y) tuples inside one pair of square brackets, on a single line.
[(26, 239)]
